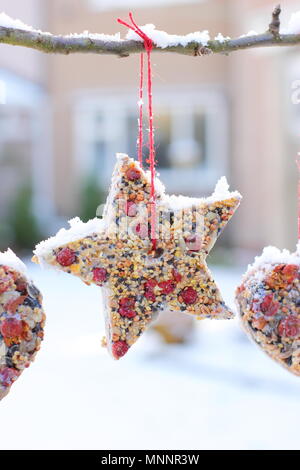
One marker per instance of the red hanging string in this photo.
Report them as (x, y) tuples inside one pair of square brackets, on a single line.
[(298, 164), (140, 139), (148, 44)]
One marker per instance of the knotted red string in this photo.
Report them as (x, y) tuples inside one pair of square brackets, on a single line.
[(148, 44)]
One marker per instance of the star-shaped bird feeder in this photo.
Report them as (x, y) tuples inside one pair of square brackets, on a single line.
[(139, 279)]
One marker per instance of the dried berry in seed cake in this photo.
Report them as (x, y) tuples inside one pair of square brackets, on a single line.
[(116, 253), (269, 304), (21, 320)]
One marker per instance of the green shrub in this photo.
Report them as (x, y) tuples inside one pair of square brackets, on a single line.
[(91, 197), (22, 222)]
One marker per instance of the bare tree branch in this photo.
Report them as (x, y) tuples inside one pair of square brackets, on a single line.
[(49, 43)]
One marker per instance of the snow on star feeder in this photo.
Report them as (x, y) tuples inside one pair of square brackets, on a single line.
[(138, 281)]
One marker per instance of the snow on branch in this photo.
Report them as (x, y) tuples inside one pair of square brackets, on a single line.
[(16, 33)]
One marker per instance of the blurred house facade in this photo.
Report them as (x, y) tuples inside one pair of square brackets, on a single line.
[(24, 131), (213, 115)]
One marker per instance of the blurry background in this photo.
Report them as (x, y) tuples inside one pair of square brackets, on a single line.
[(62, 119)]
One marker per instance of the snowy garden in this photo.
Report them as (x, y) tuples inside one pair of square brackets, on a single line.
[(218, 391), (111, 367)]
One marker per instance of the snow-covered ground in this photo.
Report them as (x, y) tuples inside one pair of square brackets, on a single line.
[(219, 392)]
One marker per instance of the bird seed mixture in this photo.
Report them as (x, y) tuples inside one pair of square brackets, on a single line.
[(21, 325), (137, 281), (269, 304)]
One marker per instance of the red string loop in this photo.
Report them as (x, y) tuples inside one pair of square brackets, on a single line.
[(148, 44)]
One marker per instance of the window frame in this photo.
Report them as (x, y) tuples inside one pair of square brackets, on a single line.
[(116, 104)]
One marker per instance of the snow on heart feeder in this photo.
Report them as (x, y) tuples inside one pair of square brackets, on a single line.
[(269, 305), (21, 320)]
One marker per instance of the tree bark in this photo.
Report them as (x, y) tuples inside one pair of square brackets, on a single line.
[(49, 43)]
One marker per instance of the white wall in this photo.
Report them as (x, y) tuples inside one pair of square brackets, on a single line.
[(27, 63)]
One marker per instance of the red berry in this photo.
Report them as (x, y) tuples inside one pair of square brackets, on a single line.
[(126, 307), (167, 287), (119, 348), (150, 284), (99, 275), (149, 292), (11, 328), (8, 376), (127, 302), (290, 272), (289, 327), (268, 306), (278, 268), (150, 295), (131, 209), (66, 257), (133, 174), (12, 305), (176, 275), (189, 295), (126, 312), (193, 243)]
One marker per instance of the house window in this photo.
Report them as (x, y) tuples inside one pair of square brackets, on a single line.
[(179, 138), (190, 137)]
